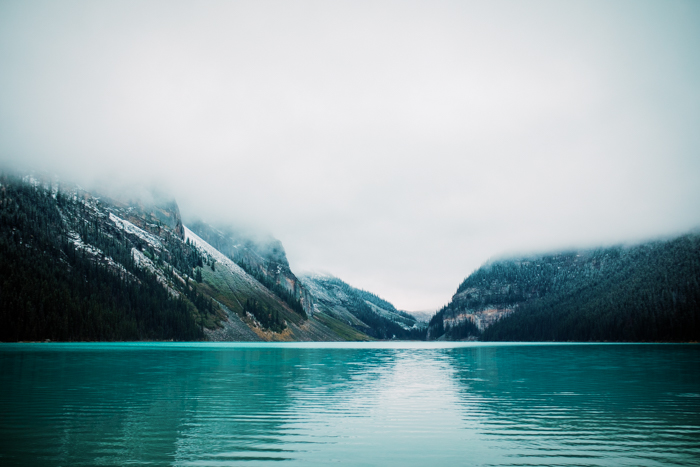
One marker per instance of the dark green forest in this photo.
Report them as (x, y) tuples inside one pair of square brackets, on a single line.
[(643, 293), (52, 289), (652, 293), (269, 319)]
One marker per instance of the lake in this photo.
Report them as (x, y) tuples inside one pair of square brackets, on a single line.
[(364, 404)]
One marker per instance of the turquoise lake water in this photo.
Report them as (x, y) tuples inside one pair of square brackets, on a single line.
[(386, 404)]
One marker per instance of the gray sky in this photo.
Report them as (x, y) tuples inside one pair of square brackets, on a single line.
[(397, 145)]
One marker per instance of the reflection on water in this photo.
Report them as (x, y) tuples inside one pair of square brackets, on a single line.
[(358, 404), (585, 405)]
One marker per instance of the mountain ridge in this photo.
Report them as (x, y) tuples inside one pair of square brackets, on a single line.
[(159, 269), (76, 265), (360, 309)]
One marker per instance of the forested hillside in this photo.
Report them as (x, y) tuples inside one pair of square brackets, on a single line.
[(650, 293), (78, 267), (647, 292), (67, 274), (263, 258)]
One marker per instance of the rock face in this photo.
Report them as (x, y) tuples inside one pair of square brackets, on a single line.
[(155, 212), (362, 310), (481, 319)]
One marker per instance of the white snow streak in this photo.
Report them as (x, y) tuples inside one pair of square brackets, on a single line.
[(127, 226), (96, 252), (221, 259), (143, 262)]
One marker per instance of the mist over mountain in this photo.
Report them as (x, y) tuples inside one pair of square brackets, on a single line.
[(79, 266), (644, 292), (423, 315), (397, 146)]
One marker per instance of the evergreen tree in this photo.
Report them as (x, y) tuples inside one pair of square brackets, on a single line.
[(53, 288)]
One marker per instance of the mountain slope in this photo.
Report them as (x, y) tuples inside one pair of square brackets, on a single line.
[(68, 271), (247, 299), (647, 292), (75, 266), (264, 259), (360, 309)]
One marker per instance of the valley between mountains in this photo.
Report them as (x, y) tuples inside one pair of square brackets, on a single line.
[(78, 266)]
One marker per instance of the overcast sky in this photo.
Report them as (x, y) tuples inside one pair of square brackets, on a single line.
[(396, 145)]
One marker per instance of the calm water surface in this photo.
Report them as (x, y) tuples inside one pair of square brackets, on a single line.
[(355, 404)]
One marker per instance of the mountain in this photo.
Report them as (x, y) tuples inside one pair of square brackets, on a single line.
[(646, 292), (364, 311), (75, 266), (72, 269), (423, 315), (263, 258)]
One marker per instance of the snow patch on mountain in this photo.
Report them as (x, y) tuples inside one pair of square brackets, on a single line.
[(75, 239), (144, 262), (97, 254), (220, 258), (128, 227)]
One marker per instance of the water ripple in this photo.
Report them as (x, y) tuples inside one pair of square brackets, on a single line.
[(358, 405)]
